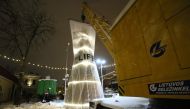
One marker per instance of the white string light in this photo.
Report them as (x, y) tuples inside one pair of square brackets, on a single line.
[(76, 105), (48, 67), (33, 64), (86, 63), (86, 48), (86, 81), (108, 65)]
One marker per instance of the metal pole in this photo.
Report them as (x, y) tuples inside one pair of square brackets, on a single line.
[(66, 69), (101, 75)]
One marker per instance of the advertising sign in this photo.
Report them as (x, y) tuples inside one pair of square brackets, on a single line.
[(170, 88)]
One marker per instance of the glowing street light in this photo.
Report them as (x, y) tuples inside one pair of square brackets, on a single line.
[(101, 62)]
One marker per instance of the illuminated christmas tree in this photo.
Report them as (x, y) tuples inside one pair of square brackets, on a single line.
[(84, 83)]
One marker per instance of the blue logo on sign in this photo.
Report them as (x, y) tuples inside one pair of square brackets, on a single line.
[(157, 50)]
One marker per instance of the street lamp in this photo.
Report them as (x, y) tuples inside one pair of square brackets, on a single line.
[(65, 79), (101, 62), (66, 69)]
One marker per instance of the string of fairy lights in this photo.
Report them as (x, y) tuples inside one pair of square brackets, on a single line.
[(108, 65), (43, 66), (32, 64)]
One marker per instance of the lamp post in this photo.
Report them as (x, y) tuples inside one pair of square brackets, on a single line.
[(65, 79), (101, 62), (66, 69)]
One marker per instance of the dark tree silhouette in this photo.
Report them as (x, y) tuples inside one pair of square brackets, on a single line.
[(23, 25)]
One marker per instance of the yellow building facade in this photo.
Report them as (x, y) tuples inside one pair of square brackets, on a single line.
[(151, 45)]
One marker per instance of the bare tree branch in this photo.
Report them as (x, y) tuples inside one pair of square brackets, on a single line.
[(23, 24)]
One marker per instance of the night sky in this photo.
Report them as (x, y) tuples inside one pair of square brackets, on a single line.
[(53, 52)]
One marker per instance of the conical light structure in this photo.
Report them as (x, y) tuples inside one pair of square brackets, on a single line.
[(84, 82)]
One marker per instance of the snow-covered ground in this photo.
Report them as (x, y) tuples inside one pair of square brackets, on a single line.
[(120, 102), (57, 104), (117, 102)]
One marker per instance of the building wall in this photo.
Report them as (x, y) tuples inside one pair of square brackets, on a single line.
[(5, 89), (144, 24)]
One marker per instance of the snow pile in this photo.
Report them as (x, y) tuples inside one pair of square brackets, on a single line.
[(38, 105), (124, 102)]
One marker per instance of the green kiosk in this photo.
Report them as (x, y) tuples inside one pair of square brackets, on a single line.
[(46, 89)]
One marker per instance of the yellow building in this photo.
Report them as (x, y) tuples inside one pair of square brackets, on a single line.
[(150, 43), (149, 28)]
